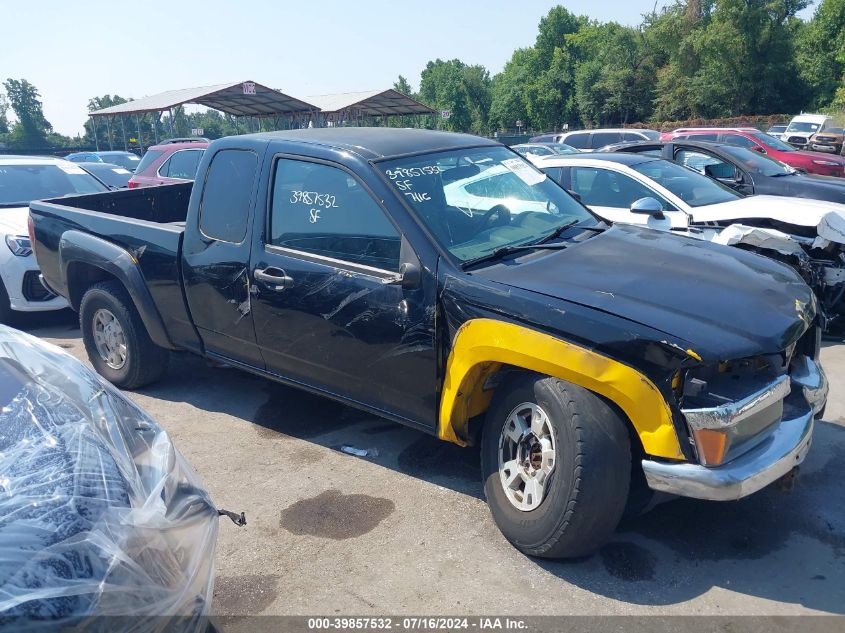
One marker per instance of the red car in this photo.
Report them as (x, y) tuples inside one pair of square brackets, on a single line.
[(811, 162), (169, 162)]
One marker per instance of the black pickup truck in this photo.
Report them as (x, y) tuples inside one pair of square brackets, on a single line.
[(441, 281)]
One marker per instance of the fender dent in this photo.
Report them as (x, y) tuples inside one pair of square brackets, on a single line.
[(481, 346)]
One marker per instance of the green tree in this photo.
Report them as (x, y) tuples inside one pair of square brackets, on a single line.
[(31, 128), (4, 118), (726, 57), (820, 52), (509, 102), (463, 90)]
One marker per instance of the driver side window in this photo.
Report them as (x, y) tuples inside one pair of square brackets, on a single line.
[(605, 188), (322, 210)]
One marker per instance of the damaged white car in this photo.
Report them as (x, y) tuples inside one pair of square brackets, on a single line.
[(645, 190)]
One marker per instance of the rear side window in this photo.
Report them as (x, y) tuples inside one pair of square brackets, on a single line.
[(699, 137), (600, 139), (739, 140), (224, 208), (182, 164), (149, 158), (322, 210), (578, 141)]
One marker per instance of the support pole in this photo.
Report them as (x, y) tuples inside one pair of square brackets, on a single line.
[(94, 125), (140, 142), (108, 131), (155, 116), (123, 127), (170, 120)]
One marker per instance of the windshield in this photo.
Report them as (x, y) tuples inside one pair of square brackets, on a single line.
[(690, 186), (111, 174), (772, 142), (476, 200), (127, 161), (759, 163), (563, 148), (803, 126), (20, 184)]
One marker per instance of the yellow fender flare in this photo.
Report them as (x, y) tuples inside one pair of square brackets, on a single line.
[(481, 346)]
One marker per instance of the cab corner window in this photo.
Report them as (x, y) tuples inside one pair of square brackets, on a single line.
[(224, 208), (322, 210)]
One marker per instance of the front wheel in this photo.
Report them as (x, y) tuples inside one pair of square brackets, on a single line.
[(556, 462), (116, 340)]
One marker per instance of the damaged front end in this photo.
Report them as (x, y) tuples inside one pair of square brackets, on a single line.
[(816, 253), (750, 422)]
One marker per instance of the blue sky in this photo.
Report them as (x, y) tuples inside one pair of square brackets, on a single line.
[(136, 49)]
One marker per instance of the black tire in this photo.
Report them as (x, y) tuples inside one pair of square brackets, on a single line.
[(7, 315), (586, 491), (145, 361)]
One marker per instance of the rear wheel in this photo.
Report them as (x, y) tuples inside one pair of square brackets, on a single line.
[(556, 462), (116, 340)]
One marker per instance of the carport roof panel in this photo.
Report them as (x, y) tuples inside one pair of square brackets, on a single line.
[(371, 102), (229, 98)]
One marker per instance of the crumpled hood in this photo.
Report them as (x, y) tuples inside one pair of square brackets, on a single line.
[(723, 303), (14, 221), (797, 211)]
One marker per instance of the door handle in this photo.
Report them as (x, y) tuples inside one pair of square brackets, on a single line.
[(276, 278)]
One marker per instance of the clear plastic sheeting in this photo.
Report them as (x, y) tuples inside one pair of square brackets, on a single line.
[(99, 514)]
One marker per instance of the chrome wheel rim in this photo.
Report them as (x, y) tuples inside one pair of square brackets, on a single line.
[(109, 339), (526, 456)]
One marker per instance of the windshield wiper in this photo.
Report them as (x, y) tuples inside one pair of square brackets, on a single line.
[(513, 248), (563, 227), (10, 205)]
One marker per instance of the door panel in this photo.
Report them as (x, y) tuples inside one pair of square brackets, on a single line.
[(338, 321), (216, 258)]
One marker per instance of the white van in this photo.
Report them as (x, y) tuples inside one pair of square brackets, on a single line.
[(803, 126)]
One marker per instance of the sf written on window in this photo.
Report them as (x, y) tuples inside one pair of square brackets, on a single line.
[(322, 210)]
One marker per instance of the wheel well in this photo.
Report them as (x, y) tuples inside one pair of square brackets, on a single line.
[(483, 391), (80, 277)]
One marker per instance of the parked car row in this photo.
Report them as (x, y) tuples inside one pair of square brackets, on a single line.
[(442, 281), (634, 187)]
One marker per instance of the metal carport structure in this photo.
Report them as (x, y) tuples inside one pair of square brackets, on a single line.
[(358, 107), (239, 99)]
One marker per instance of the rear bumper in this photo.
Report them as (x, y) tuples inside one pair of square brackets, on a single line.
[(784, 449)]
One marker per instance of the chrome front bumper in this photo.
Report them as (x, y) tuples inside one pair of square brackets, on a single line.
[(784, 448)]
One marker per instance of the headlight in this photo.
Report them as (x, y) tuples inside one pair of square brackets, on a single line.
[(826, 163), (19, 245)]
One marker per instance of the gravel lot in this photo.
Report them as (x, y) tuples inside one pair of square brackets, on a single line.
[(406, 530)]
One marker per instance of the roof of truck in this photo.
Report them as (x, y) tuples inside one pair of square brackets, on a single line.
[(378, 142)]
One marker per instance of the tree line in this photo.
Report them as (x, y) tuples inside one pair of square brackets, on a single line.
[(693, 59)]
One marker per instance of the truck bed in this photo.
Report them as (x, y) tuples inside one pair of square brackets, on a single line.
[(148, 223)]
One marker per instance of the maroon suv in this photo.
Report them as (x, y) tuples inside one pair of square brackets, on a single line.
[(753, 139), (169, 162)]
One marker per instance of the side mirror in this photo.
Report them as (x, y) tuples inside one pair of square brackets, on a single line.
[(409, 276), (648, 206), (575, 195), (757, 148)]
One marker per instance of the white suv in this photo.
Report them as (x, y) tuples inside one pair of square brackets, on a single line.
[(23, 179), (592, 140), (803, 126)]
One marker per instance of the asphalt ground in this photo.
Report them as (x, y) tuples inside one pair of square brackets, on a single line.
[(405, 529)]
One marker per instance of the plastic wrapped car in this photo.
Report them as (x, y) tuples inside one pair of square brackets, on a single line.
[(99, 514)]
